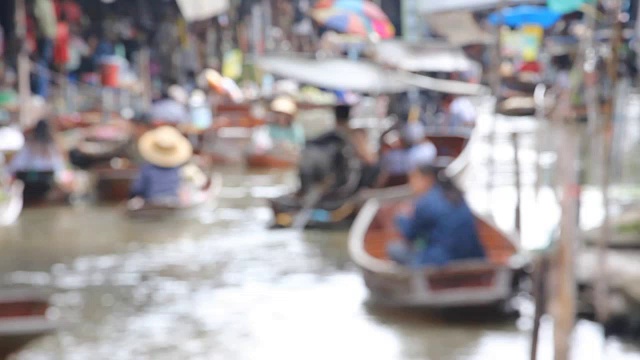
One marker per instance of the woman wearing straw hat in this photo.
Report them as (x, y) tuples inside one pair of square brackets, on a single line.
[(282, 133), (165, 150)]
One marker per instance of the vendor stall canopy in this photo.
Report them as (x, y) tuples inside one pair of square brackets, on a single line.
[(196, 10)]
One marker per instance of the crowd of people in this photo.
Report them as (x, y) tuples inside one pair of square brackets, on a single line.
[(340, 162)]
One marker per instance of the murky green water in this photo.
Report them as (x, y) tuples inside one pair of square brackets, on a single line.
[(219, 285)]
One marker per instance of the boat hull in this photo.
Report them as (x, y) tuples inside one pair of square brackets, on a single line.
[(22, 320), (154, 211), (267, 161), (469, 283), (114, 185)]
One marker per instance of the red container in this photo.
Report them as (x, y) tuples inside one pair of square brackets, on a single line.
[(110, 74)]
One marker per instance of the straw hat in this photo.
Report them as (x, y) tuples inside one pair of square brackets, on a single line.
[(165, 147), (284, 105)]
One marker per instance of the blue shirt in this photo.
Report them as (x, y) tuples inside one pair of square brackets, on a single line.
[(157, 183), (441, 230)]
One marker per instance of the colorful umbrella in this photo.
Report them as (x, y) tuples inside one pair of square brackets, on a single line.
[(525, 15), (357, 17)]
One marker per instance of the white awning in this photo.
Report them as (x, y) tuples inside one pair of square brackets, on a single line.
[(433, 56), (196, 10), (465, 31)]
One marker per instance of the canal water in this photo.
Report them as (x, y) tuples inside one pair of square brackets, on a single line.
[(219, 285)]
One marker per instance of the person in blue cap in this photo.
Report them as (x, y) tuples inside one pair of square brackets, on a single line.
[(441, 228)]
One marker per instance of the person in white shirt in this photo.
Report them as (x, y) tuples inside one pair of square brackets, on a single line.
[(459, 111)]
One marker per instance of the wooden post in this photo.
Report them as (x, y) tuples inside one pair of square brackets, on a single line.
[(144, 60), (540, 272), (601, 286), (23, 64), (495, 82), (563, 306), (516, 165)]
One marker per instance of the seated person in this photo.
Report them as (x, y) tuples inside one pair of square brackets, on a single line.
[(165, 150), (282, 134), (360, 142), (395, 161), (171, 107), (343, 153), (39, 163), (140, 125), (442, 228), (458, 111)]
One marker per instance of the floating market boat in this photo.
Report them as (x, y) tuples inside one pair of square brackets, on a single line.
[(339, 212), (269, 161), (461, 284), (114, 184), (22, 320), (11, 206), (196, 200)]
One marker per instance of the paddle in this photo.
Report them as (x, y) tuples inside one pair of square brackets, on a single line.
[(309, 202)]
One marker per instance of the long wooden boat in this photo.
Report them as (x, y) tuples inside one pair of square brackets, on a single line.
[(22, 320), (37, 187), (83, 119), (143, 210), (11, 208), (340, 214), (269, 161), (114, 185), (460, 284)]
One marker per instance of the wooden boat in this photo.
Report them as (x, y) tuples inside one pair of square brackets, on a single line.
[(83, 119), (22, 320), (340, 213), (269, 161), (239, 115), (11, 208), (37, 187), (114, 184), (460, 284), (142, 210)]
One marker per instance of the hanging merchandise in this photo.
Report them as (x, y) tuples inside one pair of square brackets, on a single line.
[(232, 64)]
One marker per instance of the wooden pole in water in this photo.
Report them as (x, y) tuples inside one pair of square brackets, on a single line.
[(23, 64), (495, 82), (563, 303), (516, 164), (601, 285), (540, 272)]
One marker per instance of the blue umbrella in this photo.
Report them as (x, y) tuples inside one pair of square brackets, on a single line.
[(525, 15)]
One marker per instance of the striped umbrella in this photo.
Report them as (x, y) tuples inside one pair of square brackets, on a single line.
[(358, 17)]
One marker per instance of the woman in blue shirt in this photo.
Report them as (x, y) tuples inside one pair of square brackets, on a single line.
[(442, 228), (165, 150)]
